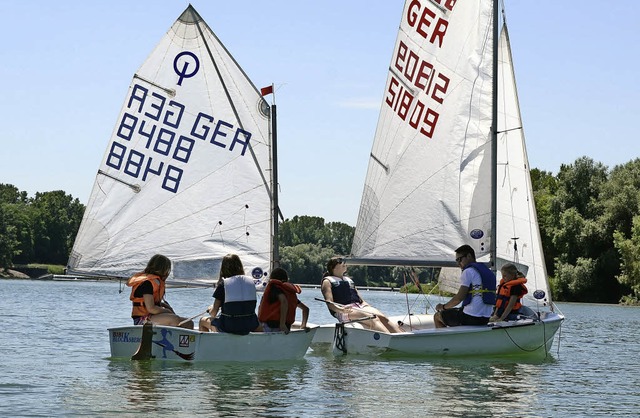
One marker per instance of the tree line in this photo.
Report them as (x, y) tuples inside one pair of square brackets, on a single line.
[(589, 219), (38, 229)]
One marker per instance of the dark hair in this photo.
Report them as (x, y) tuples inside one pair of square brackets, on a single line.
[(158, 265), (466, 250), (331, 264), (279, 273), (231, 266)]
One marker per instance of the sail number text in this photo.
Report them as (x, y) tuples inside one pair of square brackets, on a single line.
[(148, 136), (416, 88), (404, 99)]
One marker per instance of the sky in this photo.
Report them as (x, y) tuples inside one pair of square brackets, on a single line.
[(66, 67)]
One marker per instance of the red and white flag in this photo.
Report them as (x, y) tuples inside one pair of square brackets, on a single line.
[(266, 90)]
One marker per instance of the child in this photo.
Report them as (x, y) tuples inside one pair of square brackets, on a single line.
[(277, 311), (510, 291)]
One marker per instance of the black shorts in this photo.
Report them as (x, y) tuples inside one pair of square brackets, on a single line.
[(456, 317), (241, 325)]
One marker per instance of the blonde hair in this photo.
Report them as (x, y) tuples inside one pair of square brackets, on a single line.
[(510, 269)]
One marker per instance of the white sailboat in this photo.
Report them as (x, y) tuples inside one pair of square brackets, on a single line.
[(189, 172), (440, 176)]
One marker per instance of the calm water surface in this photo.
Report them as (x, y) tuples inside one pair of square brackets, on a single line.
[(54, 361)]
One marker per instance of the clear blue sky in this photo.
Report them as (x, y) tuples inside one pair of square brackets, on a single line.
[(66, 66)]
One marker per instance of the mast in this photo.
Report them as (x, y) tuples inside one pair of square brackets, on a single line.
[(494, 140), (275, 253)]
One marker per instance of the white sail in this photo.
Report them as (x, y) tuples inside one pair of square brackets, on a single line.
[(518, 235), (186, 172), (427, 193), (427, 189)]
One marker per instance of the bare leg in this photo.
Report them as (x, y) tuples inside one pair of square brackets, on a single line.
[(380, 323), (171, 320), (437, 320), (389, 325), (205, 325)]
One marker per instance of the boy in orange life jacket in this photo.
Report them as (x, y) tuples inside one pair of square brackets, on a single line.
[(510, 291), (277, 309)]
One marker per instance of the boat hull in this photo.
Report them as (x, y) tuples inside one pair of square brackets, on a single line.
[(525, 337), (180, 344)]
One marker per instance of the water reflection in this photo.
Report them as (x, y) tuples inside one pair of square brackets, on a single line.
[(241, 389), (228, 389)]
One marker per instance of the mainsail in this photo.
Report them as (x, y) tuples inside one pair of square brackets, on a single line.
[(187, 171), (427, 189)]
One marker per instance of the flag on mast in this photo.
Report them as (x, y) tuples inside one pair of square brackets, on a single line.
[(266, 90)]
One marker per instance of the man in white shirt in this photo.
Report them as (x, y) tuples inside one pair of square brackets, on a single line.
[(477, 293)]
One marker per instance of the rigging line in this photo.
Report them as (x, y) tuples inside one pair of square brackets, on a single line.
[(339, 338), (406, 296), (233, 106), (534, 349)]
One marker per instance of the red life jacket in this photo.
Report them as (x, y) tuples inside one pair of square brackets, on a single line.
[(270, 311), (504, 293), (139, 309)]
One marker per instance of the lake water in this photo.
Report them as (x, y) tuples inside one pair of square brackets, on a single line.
[(54, 361)]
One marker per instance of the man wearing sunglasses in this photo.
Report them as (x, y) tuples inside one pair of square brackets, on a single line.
[(477, 293)]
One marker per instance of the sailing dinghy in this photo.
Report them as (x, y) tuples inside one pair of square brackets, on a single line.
[(189, 172), (440, 175)]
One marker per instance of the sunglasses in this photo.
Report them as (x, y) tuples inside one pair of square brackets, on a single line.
[(459, 259), (339, 261)]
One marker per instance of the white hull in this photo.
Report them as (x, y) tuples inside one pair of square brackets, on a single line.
[(172, 343), (524, 338)]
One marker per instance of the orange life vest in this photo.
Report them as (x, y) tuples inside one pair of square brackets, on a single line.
[(504, 293), (270, 311), (139, 309)]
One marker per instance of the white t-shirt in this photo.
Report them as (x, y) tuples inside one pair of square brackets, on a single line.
[(471, 278)]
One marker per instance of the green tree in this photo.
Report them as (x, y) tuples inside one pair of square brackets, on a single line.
[(16, 230), (20, 217), (545, 187), (8, 238), (579, 187), (629, 248), (10, 194), (585, 266), (56, 222), (305, 262)]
